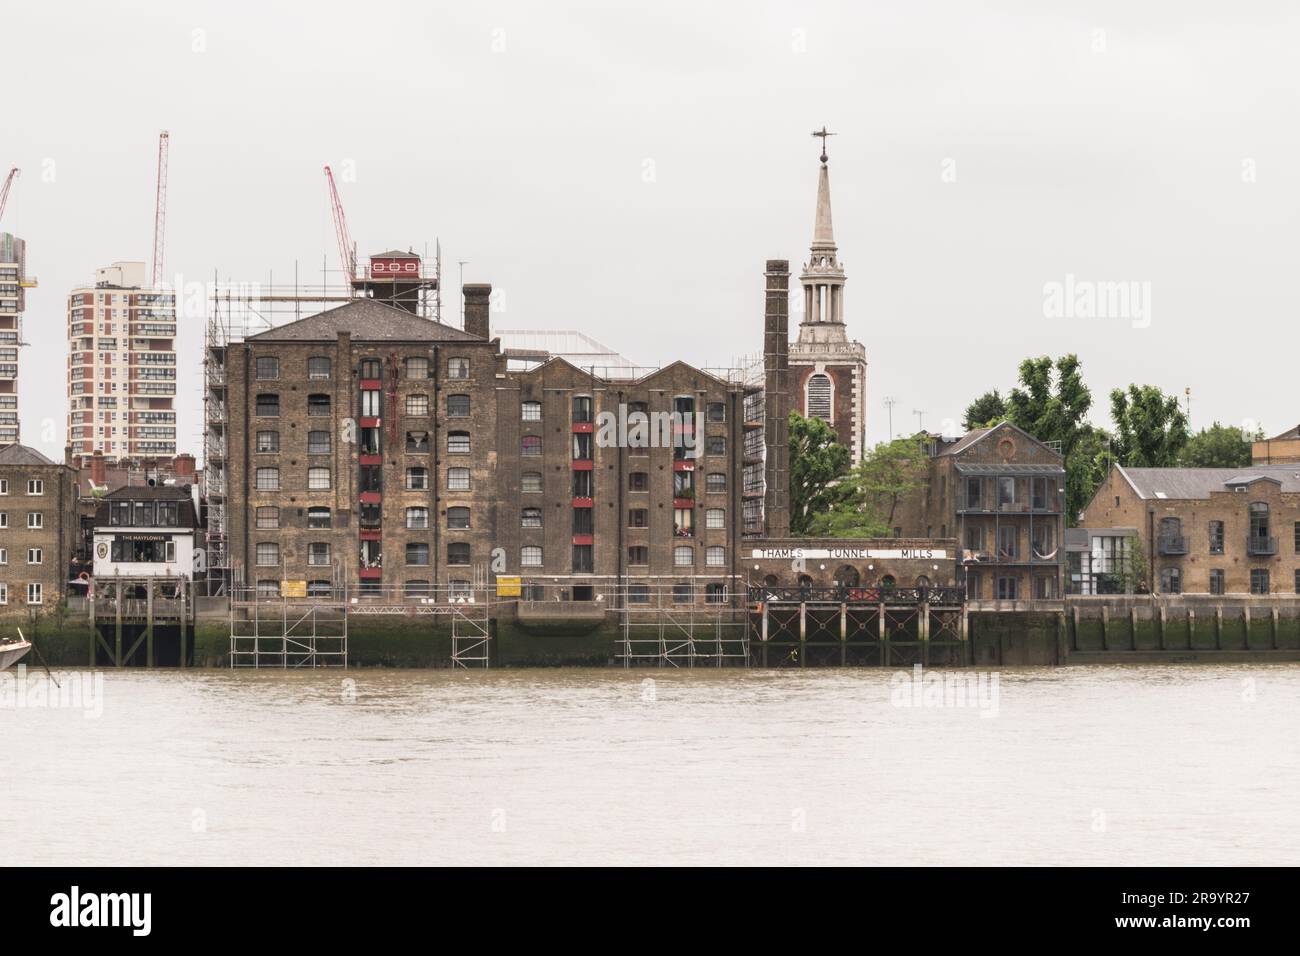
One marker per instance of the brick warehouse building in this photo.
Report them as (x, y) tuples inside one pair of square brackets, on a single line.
[(1204, 530), (38, 528), (372, 446)]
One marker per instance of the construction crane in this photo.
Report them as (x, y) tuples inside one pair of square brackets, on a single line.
[(4, 190), (347, 253), (160, 210)]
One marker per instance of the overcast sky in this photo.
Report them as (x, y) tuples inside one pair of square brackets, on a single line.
[(626, 170)]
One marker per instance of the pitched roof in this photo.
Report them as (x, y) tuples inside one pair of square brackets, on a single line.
[(22, 455), (367, 321), (1290, 434), (151, 493), (961, 444), (1188, 483)]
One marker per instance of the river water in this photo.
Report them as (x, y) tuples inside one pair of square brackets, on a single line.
[(1092, 765)]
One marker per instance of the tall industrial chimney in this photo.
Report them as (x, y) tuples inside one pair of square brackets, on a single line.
[(477, 295), (776, 398)]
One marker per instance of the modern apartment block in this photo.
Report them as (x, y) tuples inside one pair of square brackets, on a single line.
[(13, 284), (368, 446), (1197, 531), (122, 366)]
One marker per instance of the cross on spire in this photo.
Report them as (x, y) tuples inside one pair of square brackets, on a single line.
[(823, 134)]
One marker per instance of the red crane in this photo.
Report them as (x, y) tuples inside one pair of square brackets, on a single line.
[(4, 190), (346, 252), (160, 209)]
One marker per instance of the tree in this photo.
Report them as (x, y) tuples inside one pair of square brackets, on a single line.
[(817, 462), (866, 500), (1219, 446), (1150, 427), (1085, 470), (989, 409)]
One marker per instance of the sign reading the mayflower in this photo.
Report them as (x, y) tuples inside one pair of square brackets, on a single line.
[(849, 554)]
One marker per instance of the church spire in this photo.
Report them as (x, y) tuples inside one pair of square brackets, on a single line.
[(823, 275), (823, 232)]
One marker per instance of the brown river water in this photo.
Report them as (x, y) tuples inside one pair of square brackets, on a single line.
[(1089, 765)]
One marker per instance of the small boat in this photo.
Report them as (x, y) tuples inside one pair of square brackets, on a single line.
[(11, 652)]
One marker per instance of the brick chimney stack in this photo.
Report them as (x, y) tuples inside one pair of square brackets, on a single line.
[(776, 398), (477, 295), (183, 465), (98, 469)]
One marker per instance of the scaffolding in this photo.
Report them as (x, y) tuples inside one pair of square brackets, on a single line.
[(286, 632)]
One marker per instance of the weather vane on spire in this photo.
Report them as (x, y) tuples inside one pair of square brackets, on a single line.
[(823, 134)]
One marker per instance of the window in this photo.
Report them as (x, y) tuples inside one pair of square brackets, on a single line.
[(683, 522), (35, 486), (417, 554), (683, 556), (417, 479), (819, 396), (715, 557), (531, 518), (530, 411), (417, 518), (638, 481), (638, 518), (318, 443), (1216, 580), (417, 404), (318, 479), (1008, 542), (715, 519), (582, 408), (457, 553), (458, 479), (318, 405), (638, 594), (457, 406), (582, 484), (1259, 580), (1008, 589), (370, 442), (414, 589), (715, 445), (268, 554), (318, 518), (715, 412), (638, 554), (268, 519), (458, 519), (33, 594), (268, 588), (582, 446), (371, 478), (35, 556), (370, 403), (1258, 520), (582, 521), (715, 593), (530, 557), (268, 404), (1216, 537), (417, 367), (318, 366), (142, 513), (582, 559), (4, 486), (530, 446), (974, 493), (4, 594), (530, 482), (35, 520), (318, 553), (417, 443), (458, 443), (4, 518), (4, 556), (371, 369), (1171, 581), (715, 482), (683, 593), (267, 368), (458, 368), (319, 588), (268, 442), (1006, 492)]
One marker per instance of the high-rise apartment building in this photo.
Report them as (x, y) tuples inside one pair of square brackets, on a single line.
[(122, 366), (13, 280)]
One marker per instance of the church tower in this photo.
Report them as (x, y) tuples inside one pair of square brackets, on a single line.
[(828, 371)]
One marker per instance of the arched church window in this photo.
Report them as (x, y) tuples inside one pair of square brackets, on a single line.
[(819, 397)]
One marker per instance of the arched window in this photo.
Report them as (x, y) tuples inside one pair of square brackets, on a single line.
[(818, 399), (530, 445), (847, 576)]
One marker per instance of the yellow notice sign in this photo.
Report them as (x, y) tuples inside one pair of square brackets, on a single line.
[(293, 589), (508, 586)]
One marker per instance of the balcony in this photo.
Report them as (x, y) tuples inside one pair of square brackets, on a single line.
[(1261, 544), (1171, 544)]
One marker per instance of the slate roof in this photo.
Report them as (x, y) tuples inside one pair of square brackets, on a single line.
[(1190, 483), (22, 455), (367, 321)]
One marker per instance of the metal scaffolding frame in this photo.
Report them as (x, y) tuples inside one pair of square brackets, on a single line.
[(287, 632)]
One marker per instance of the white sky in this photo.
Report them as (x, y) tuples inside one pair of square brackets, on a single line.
[(520, 135)]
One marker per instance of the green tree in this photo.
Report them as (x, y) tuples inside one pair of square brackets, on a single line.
[(1150, 427), (817, 462), (866, 500), (1219, 446), (989, 409), (1085, 470)]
